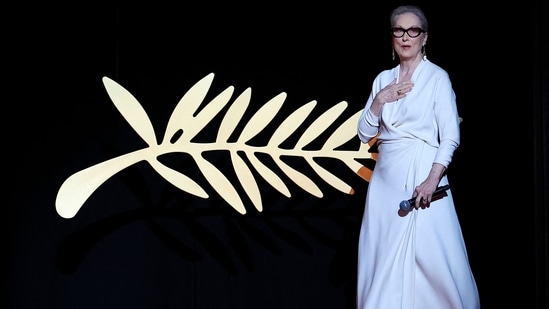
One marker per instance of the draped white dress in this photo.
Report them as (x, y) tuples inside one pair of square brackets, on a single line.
[(416, 259)]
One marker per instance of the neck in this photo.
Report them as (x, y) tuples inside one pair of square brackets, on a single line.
[(407, 67)]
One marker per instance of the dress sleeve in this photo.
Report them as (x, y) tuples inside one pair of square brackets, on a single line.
[(447, 119), (368, 123)]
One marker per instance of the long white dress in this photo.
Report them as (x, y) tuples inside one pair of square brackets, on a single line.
[(416, 259)]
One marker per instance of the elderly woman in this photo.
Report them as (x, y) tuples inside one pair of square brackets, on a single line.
[(415, 258)]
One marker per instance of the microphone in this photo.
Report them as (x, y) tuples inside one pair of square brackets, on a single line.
[(409, 204)]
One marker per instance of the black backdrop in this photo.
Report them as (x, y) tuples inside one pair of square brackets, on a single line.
[(139, 242)]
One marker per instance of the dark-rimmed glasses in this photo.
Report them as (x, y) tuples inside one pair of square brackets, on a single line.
[(412, 32)]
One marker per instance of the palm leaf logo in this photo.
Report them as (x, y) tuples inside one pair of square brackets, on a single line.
[(185, 123)]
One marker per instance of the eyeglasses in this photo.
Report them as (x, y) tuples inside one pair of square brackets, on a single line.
[(413, 32)]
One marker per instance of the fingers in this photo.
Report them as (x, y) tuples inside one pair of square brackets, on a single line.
[(422, 202), (403, 88), (394, 91)]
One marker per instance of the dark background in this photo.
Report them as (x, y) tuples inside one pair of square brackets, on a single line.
[(139, 242)]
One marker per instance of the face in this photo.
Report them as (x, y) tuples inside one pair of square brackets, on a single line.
[(407, 47)]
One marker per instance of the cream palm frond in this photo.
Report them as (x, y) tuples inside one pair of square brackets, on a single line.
[(185, 123)]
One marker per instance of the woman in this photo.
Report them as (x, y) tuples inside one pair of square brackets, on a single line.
[(415, 258)]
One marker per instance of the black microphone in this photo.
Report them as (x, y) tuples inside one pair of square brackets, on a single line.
[(409, 204)]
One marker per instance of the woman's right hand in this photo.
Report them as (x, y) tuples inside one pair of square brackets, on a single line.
[(390, 93), (394, 91)]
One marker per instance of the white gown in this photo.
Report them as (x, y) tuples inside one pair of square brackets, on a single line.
[(417, 259)]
